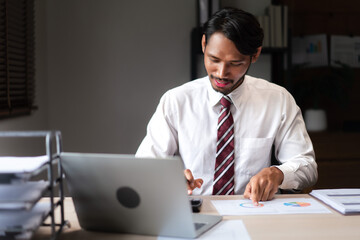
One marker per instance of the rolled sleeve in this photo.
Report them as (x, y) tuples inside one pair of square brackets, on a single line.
[(294, 150)]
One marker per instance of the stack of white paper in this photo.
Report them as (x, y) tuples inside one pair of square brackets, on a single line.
[(20, 167), (21, 196), (345, 200), (20, 215), (22, 164), (22, 223)]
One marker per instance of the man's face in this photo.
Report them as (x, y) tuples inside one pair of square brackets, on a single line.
[(224, 64)]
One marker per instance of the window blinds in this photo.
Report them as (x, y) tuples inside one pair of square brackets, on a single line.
[(17, 83)]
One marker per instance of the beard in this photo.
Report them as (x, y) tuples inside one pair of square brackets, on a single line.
[(236, 83)]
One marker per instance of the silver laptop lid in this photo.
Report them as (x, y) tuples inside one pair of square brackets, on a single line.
[(121, 193)]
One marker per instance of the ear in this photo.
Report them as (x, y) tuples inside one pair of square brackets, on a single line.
[(256, 55), (203, 43)]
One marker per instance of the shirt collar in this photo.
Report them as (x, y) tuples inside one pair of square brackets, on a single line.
[(235, 95), (214, 96)]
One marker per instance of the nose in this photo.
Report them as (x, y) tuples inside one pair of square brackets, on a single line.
[(223, 70)]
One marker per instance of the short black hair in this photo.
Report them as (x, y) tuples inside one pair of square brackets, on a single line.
[(241, 27)]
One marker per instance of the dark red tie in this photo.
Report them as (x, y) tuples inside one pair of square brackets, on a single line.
[(224, 166)]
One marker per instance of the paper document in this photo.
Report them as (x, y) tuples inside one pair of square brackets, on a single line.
[(21, 196), (343, 200), (225, 230), (22, 164), (21, 236), (310, 49), (346, 50), (22, 221), (275, 206)]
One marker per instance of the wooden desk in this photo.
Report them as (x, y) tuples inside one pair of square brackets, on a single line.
[(299, 226)]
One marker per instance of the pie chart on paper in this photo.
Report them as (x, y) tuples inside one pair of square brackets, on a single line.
[(297, 204), (251, 205)]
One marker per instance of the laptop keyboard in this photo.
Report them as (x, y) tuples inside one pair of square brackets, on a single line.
[(199, 225)]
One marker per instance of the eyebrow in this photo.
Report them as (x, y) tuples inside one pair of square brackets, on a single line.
[(233, 61)]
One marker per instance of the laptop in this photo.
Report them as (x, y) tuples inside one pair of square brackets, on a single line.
[(125, 194)]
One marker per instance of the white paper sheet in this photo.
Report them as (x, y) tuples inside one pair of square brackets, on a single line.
[(275, 206), (345, 49), (225, 230), (22, 195), (22, 164), (310, 49), (345, 200), (22, 221)]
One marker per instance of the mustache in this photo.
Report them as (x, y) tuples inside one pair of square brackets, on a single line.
[(221, 79)]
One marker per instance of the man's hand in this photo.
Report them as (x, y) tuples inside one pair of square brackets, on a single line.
[(264, 185), (191, 182)]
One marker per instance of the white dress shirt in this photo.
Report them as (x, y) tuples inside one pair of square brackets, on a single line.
[(185, 124)]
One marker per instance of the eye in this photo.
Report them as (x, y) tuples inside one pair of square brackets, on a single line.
[(214, 60), (236, 63)]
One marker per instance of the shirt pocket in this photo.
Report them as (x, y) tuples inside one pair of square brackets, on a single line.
[(254, 154)]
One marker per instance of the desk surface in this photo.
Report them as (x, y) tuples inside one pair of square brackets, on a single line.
[(297, 226)]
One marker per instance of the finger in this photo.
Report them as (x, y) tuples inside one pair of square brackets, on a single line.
[(255, 194), (199, 182), (190, 179), (265, 190), (247, 192), (255, 199), (269, 192), (265, 195), (272, 193), (188, 175)]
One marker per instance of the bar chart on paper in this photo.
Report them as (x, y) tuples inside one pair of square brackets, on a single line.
[(275, 206)]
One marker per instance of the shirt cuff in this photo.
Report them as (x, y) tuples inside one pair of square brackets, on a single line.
[(289, 178)]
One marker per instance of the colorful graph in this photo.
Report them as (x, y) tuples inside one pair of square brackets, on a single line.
[(251, 205), (297, 204), (314, 47)]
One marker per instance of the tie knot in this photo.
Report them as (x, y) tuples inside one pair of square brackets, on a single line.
[(225, 101)]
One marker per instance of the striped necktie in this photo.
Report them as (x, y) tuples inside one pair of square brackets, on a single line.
[(224, 166)]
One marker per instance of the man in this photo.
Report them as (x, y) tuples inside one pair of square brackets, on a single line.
[(231, 153)]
